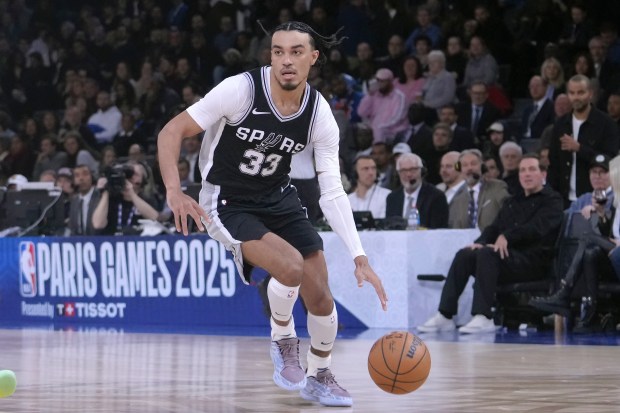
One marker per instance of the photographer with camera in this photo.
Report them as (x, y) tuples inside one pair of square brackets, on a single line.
[(121, 203)]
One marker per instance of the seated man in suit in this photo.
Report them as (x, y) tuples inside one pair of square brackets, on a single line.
[(478, 114), (83, 202), (451, 177), (430, 201), (476, 204), (515, 247)]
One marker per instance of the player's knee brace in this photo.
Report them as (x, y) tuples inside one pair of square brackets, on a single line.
[(281, 299), (323, 330)]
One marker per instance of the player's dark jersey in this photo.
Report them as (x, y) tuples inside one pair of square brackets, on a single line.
[(254, 154)]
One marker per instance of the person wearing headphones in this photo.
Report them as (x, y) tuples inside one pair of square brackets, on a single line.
[(477, 203), (430, 201), (83, 203), (120, 208), (368, 195)]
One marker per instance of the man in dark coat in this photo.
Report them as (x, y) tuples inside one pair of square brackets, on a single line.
[(515, 247), (576, 138)]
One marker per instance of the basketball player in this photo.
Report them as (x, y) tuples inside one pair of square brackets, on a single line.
[(254, 123)]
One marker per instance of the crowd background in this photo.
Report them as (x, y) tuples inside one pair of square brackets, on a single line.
[(91, 83)]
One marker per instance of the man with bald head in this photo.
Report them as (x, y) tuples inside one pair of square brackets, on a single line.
[(478, 201), (451, 178), (577, 137)]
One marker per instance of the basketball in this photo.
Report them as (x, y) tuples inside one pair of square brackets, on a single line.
[(399, 362)]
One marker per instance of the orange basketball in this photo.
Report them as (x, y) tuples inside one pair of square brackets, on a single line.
[(399, 362)]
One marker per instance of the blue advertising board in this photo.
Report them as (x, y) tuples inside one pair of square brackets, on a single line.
[(127, 282)]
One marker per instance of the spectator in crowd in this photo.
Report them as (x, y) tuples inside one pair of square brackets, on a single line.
[(49, 157), (456, 59), (440, 87), (442, 143), (476, 204), (430, 201), (613, 107), (382, 154), (510, 155), (418, 135), (83, 204), (578, 30), (496, 138), (425, 27), (48, 175), (64, 180), (600, 181), (478, 114), (108, 159), (76, 154), (384, 109), (553, 73), (451, 177), (461, 136), (561, 107), (395, 56), (609, 34), (605, 70), (515, 247), (540, 114), (72, 122), (190, 94), (106, 123), (345, 98), (128, 135), (491, 169), (481, 65), (183, 167), (576, 139), (594, 259), (422, 49), (191, 150), (20, 159), (367, 195), (119, 209), (411, 82), (364, 66)]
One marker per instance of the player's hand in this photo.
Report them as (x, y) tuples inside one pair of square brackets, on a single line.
[(364, 272), (183, 206), (475, 246), (501, 246)]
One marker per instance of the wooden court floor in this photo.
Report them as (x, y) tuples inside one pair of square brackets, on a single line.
[(102, 371)]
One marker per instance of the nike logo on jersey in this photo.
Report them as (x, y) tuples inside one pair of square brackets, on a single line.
[(256, 112)]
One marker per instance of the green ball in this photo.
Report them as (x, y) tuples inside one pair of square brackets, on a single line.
[(8, 382)]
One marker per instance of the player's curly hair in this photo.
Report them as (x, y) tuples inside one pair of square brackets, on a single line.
[(318, 41)]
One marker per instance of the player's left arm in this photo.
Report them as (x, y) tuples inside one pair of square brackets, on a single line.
[(334, 202)]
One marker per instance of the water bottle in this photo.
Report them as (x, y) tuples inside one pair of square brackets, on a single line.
[(413, 219)]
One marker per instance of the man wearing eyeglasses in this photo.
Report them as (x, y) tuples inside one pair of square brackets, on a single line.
[(414, 191)]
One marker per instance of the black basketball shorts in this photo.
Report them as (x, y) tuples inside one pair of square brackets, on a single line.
[(238, 219)]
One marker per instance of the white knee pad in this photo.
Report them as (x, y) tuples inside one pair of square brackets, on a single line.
[(323, 330)]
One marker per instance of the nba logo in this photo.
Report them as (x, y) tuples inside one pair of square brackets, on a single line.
[(27, 269)]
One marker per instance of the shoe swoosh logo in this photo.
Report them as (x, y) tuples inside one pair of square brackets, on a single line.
[(326, 344), (257, 112)]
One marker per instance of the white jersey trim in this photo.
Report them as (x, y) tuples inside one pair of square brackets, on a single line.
[(266, 75)]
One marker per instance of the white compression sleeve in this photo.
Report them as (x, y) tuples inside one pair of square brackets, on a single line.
[(337, 209)]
